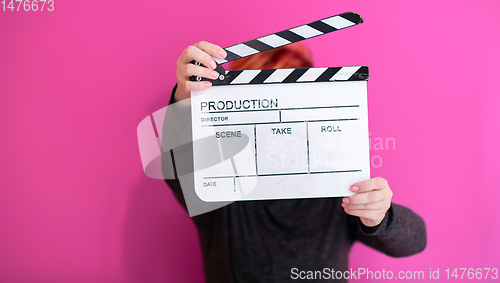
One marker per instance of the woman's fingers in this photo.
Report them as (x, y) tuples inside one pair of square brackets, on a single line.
[(211, 49), (371, 201), (372, 184), (193, 70), (194, 53), (369, 197), (369, 206), (195, 86), (202, 53)]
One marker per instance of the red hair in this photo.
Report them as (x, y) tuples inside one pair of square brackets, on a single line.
[(289, 56)]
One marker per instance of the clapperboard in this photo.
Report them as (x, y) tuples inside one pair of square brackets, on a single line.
[(281, 133), (264, 134)]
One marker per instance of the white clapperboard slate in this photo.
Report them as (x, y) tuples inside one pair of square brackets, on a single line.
[(282, 133)]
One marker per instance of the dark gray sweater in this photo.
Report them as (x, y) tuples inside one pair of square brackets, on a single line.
[(262, 241)]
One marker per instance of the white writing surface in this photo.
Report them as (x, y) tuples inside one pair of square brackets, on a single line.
[(280, 141)]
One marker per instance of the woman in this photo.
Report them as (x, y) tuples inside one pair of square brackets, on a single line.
[(274, 240)]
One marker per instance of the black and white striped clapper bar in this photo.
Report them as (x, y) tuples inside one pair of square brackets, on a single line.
[(282, 38)]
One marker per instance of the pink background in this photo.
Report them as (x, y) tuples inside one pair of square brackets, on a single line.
[(75, 205)]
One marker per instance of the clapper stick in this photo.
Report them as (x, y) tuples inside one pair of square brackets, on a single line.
[(279, 39)]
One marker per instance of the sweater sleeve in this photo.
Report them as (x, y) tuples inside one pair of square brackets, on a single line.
[(175, 184), (401, 233)]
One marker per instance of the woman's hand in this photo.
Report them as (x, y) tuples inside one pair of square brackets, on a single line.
[(200, 52), (371, 202)]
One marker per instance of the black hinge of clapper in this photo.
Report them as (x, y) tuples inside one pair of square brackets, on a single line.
[(279, 39)]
